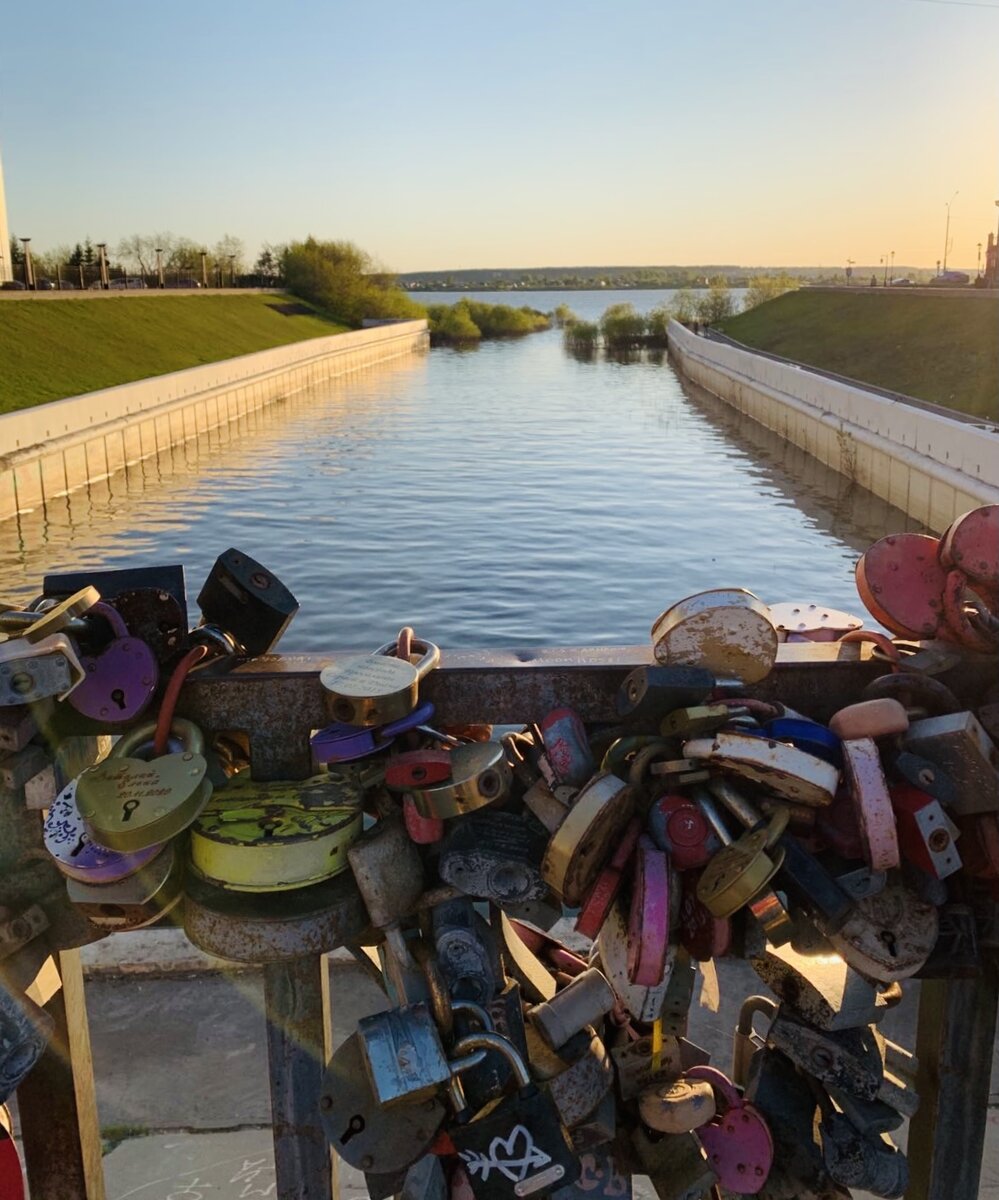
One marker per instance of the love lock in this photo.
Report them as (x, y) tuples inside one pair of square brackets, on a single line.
[(120, 681), (143, 897), (130, 803), (649, 919), (678, 826), (33, 671), (567, 747), (925, 833), (649, 693), (494, 855), (703, 935), (737, 1141), (854, 1160), (479, 776), (256, 837), (345, 743), (378, 688), (678, 1106), (644, 1002), (79, 857), (246, 601), (741, 869), (155, 616), (784, 770), (597, 904), (971, 544), (25, 1029), (802, 621), (585, 1001), (579, 846), (890, 935), (11, 1175), (727, 630), (901, 583)]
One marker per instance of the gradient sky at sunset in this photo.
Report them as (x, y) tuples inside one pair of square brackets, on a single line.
[(448, 135)]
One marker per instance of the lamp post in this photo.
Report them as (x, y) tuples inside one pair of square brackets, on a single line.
[(891, 270), (159, 266), (947, 230), (884, 259), (232, 270), (29, 274), (204, 268), (102, 263)]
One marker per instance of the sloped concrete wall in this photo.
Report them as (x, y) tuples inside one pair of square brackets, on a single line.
[(56, 448), (932, 467)]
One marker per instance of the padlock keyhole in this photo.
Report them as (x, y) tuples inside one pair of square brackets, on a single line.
[(356, 1124), (128, 808), (118, 697)]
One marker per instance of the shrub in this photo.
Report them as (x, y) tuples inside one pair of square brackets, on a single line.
[(768, 287), (563, 316), (717, 304), (344, 280), (622, 326), (580, 335), (451, 324), (684, 307)]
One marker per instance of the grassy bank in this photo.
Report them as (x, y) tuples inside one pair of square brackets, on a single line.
[(50, 349), (944, 349)]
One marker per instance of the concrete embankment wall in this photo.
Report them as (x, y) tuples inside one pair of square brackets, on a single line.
[(56, 448), (931, 466)]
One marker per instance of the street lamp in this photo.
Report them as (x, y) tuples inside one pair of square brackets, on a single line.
[(204, 268), (891, 271), (29, 274), (884, 259), (947, 230), (159, 265), (232, 270), (102, 262)]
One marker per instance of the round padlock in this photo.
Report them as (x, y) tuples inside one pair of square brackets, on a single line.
[(678, 826), (581, 844), (144, 897), (803, 621), (375, 689), (901, 583), (971, 544), (677, 1106), (129, 802), (479, 776), (890, 934), (649, 918), (727, 630), (740, 870)]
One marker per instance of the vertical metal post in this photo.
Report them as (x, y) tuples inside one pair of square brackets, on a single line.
[(57, 1103), (957, 1024), (298, 1030)]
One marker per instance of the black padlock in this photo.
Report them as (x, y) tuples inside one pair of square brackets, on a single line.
[(495, 855), (243, 599), (649, 693), (25, 1030), (517, 1146), (854, 1161), (486, 1080)]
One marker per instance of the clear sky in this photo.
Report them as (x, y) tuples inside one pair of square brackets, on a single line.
[(549, 132)]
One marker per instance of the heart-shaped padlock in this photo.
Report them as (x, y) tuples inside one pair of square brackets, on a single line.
[(738, 1141), (130, 803), (77, 855), (120, 681)]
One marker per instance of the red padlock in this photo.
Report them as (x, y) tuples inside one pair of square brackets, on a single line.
[(11, 1175), (703, 935), (957, 627), (738, 1142), (971, 544), (598, 903), (901, 583), (925, 833), (679, 827), (648, 925)]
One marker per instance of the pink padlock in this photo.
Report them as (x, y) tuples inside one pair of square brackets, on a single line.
[(872, 803), (971, 544), (703, 935), (567, 748), (738, 1142), (648, 925), (422, 830)]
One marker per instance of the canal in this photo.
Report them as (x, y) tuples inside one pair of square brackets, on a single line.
[(507, 495)]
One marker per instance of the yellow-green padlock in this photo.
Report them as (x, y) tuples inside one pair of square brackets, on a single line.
[(269, 837), (378, 688), (129, 802), (741, 869)]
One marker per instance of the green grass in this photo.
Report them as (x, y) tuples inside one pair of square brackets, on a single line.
[(50, 349), (944, 349)]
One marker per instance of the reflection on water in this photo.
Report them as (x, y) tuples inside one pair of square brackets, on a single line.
[(514, 496)]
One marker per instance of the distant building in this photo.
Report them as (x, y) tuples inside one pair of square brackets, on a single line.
[(6, 267), (992, 262)]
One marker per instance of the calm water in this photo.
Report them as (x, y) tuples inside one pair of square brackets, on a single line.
[(509, 495)]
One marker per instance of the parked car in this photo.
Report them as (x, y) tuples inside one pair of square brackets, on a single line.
[(12, 285), (901, 283), (120, 285), (183, 283), (950, 279), (44, 285)]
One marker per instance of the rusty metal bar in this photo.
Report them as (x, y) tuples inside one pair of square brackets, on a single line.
[(298, 1032)]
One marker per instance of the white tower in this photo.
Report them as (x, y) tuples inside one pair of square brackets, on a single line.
[(6, 271)]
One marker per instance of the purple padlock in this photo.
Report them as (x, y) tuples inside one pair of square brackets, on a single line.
[(344, 743), (76, 855), (737, 1140), (120, 681)]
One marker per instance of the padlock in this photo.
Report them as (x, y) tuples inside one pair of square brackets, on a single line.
[(129, 802), (808, 622), (33, 671), (479, 776), (517, 1146), (403, 1054), (11, 1176), (742, 869), (388, 870), (746, 1042), (926, 834), (594, 909), (601, 1177), (737, 1141), (567, 747), (675, 1163), (959, 745), (685, 723), (826, 992), (25, 1029), (866, 1116), (340, 742), (868, 790), (467, 951), (801, 874), (677, 1106), (640, 1064), (854, 1160), (141, 898), (544, 805), (815, 739), (649, 693), (585, 1001), (246, 601), (848, 1059), (649, 915), (157, 618), (901, 582), (675, 1011), (678, 826), (884, 717), (503, 1014), (378, 688), (581, 1086), (258, 837), (364, 1134), (79, 857), (244, 927), (119, 681), (703, 935), (786, 771), (971, 544), (890, 935), (523, 964), (579, 846), (58, 617), (495, 855), (644, 1002), (728, 631)]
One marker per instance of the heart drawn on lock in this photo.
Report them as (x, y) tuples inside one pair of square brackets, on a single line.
[(513, 1156), (128, 803)]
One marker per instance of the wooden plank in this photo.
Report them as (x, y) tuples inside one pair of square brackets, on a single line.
[(957, 1024), (57, 1104), (297, 998)]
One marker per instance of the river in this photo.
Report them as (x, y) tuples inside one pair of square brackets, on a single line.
[(508, 495)]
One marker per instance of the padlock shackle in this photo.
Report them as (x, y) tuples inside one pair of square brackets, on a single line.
[(735, 802), (186, 732), (750, 1007), (474, 1010), (113, 617), (493, 1041), (430, 655), (706, 803)]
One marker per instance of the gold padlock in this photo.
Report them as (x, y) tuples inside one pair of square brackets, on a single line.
[(587, 837), (738, 871), (378, 688), (129, 802), (480, 775)]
